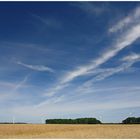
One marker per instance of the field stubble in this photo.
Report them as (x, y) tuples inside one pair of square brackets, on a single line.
[(68, 131)]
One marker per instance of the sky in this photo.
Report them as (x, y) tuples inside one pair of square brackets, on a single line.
[(69, 60)]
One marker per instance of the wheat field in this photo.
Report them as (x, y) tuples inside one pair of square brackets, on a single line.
[(68, 131)]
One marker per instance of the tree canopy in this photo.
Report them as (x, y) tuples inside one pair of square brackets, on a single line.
[(73, 121), (131, 120)]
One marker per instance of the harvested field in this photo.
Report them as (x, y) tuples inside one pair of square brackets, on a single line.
[(68, 131)]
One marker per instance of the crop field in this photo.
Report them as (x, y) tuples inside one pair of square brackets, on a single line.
[(68, 131)]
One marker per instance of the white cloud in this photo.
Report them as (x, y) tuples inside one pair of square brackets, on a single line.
[(14, 85), (53, 100), (125, 39), (101, 70), (54, 89), (102, 74), (10, 91), (109, 72), (121, 89), (131, 57), (132, 18), (36, 67), (91, 8), (119, 69), (7, 84), (122, 42), (47, 21), (20, 84)]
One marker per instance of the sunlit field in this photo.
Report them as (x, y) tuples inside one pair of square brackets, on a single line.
[(68, 131)]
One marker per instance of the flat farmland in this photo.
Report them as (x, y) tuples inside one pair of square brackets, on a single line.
[(68, 131)]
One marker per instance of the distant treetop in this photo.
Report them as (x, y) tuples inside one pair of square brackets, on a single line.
[(131, 120), (73, 121)]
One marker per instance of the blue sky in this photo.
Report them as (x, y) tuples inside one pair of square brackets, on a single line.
[(69, 60)]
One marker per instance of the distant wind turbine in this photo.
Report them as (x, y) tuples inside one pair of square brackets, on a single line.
[(42, 119), (13, 119)]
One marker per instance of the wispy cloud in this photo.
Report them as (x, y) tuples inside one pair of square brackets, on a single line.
[(20, 84), (132, 18), (131, 57), (47, 21), (14, 86), (122, 42), (121, 89), (36, 67), (125, 39), (123, 67), (91, 8), (7, 84), (104, 74), (53, 100), (87, 87), (80, 106), (100, 70), (55, 89), (10, 91)]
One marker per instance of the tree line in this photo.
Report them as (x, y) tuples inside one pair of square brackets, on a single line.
[(73, 121), (129, 120)]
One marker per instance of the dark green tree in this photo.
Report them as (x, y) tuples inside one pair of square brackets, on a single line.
[(73, 121), (131, 120)]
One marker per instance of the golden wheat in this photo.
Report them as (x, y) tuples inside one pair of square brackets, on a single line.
[(68, 131)]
